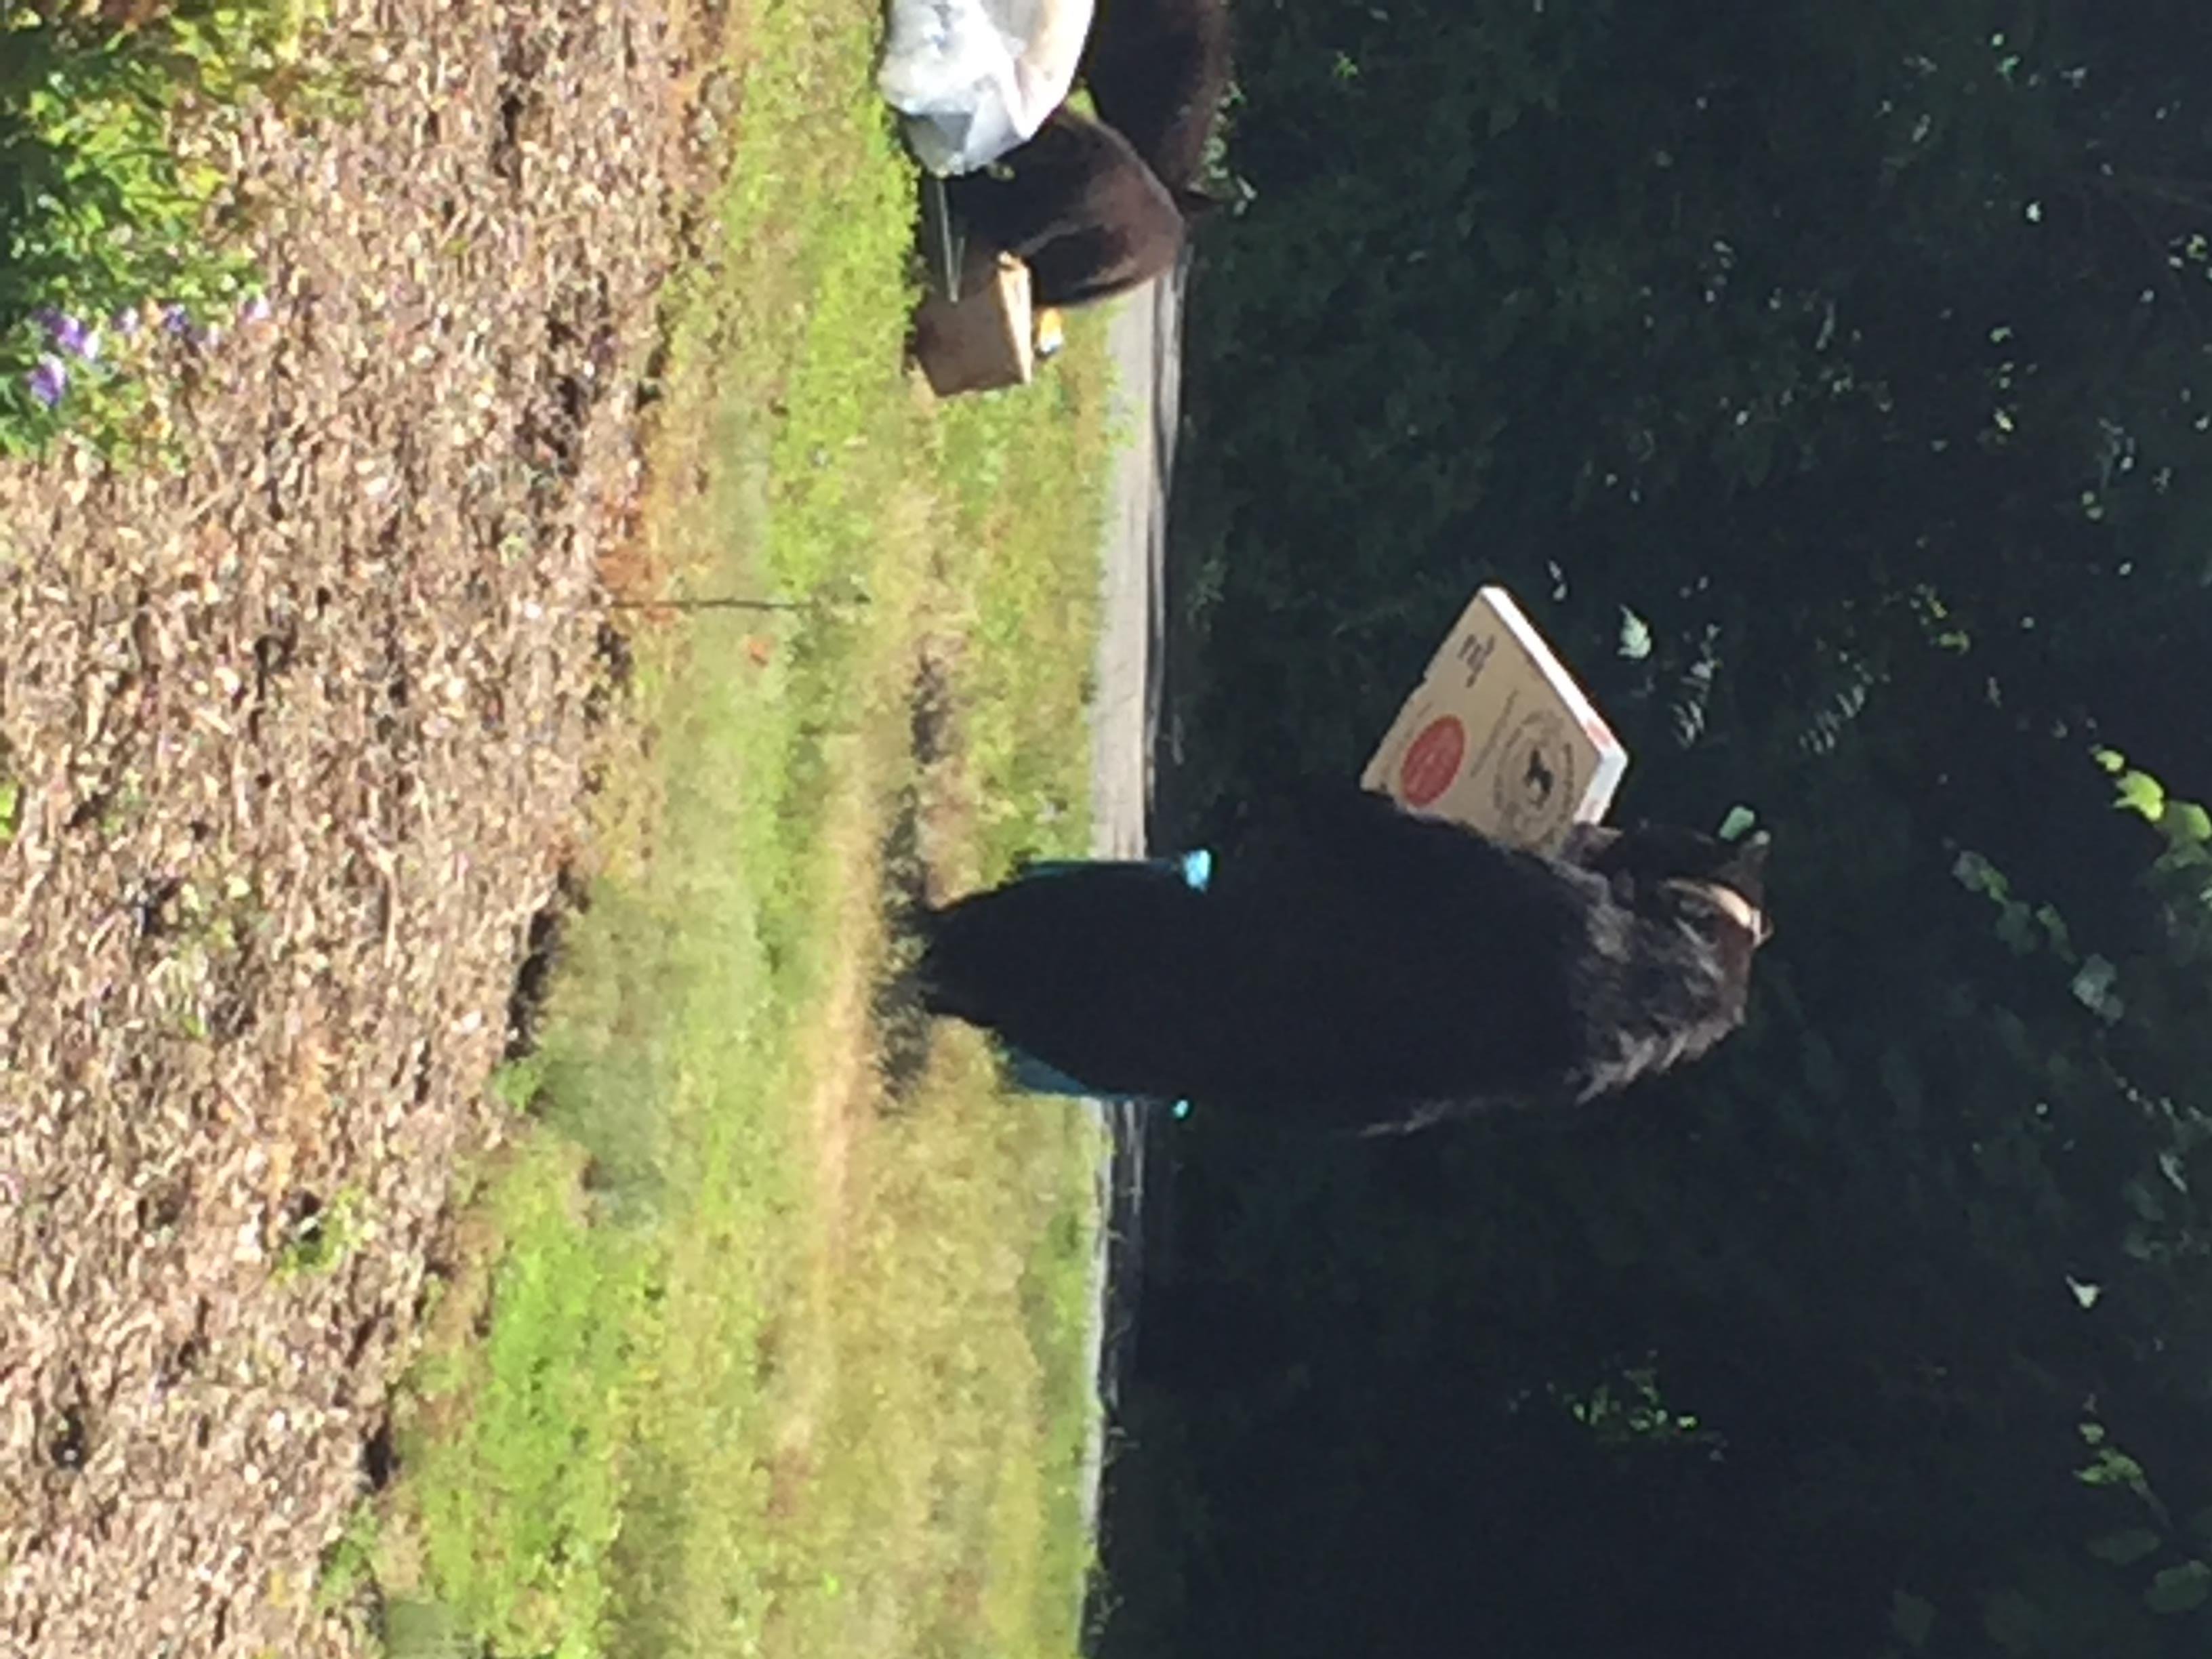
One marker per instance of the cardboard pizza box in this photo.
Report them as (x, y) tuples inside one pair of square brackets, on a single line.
[(1498, 737), (984, 339)]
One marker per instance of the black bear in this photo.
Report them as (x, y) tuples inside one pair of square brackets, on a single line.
[(1360, 967), (1079, 207), (1156, 70)]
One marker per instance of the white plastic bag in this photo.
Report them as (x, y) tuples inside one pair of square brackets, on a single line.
[(975, 78)]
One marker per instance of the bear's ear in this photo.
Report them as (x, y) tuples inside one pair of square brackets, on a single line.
[(1585, 843), (1196, 204), (1751, 853), (1745, 869)]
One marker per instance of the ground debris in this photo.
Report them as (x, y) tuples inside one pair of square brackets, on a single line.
[(298, 737)]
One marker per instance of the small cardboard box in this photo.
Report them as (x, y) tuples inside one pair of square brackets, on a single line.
[(1498, 737), (984, 340)]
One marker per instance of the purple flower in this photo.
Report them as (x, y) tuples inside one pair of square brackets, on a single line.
[(255, 310), (49, 379), (70, 333), (175, 319)]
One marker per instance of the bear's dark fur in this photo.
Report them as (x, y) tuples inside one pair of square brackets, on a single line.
[(1157, 70), (1078, 207), (1365, 968)]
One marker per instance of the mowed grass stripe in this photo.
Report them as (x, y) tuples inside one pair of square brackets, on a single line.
[(743, 1356)]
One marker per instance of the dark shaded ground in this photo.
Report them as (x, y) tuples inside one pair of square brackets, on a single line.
[(1146, 342)]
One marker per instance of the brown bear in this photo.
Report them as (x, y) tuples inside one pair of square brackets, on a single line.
[(1157, 71), (1080, 209)]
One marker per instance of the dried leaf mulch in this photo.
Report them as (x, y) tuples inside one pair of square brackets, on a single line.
[(298, 737)]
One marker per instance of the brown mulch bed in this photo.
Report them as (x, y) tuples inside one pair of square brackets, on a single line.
[(301, 737)]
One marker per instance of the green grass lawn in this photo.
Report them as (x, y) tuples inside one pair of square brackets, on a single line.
[(763, 1343)]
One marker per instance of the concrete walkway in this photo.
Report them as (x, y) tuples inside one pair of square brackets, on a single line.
[(1144, 336)]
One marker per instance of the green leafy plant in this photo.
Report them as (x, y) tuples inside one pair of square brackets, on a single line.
[(2181, 875), (118, 230), (517, 1084), (326, 1237)]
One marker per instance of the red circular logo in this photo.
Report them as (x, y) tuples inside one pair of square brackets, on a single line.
[(1432, 760)]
